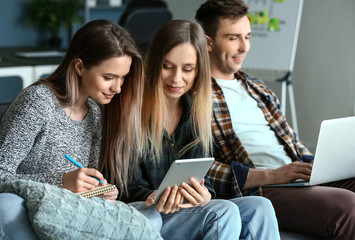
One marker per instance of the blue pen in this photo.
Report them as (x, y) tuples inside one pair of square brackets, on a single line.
[(79, 165)]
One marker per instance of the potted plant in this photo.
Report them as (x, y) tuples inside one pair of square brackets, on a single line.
[(53, 15)]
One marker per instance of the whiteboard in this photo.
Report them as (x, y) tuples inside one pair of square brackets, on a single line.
[(275, 28)]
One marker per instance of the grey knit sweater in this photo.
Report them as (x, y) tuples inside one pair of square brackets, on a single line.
[(35, 133)]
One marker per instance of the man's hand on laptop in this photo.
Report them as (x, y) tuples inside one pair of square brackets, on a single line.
[(281, 175), (291, 172)]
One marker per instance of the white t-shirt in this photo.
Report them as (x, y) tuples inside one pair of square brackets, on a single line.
[(250, 125)]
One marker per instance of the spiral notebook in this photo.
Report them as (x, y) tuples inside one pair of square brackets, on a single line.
[(98, 191)]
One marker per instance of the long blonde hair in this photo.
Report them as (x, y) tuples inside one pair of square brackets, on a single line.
[(154, 113)]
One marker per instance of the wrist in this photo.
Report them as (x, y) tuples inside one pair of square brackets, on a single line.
[(269, 177), (208, 199), (258, 177)]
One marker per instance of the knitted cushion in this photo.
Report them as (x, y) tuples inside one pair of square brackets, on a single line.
[(57, 213)]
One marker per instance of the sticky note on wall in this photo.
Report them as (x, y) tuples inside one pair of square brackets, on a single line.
[(262, 17), (273, 24), (251, 18)]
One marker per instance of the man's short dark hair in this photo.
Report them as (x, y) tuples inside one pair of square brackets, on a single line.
[(211, 11)]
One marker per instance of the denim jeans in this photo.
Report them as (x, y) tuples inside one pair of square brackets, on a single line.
[(219, 219), (14, 222), (154, 216), (258, 218)]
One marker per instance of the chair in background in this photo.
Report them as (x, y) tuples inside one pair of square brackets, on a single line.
[(142, 18), (3, 108), (10, 87)]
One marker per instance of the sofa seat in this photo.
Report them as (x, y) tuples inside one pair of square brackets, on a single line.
[(298, 236)]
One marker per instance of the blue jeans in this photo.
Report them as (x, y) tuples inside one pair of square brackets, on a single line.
[(154, 216), (14, 223), (219, 219), (258, 218)]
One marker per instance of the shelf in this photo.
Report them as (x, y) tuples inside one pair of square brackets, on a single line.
[(106, 8)]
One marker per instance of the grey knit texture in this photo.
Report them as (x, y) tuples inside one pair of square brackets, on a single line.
[(58, 214), (35, 133)]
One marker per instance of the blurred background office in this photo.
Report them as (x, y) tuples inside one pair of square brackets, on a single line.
[(324, 67)]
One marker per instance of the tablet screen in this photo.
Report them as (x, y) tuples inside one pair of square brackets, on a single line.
[(182, 170)]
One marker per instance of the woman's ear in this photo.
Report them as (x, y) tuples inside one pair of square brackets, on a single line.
[(78, 66), (209, 43)]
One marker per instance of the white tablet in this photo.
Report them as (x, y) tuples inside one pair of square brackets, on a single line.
[(182, 170)]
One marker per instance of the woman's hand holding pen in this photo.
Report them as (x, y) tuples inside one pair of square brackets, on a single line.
[(82, 179), (197, 194)]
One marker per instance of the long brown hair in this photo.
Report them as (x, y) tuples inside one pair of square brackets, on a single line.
[(154, 112), (95, 42)]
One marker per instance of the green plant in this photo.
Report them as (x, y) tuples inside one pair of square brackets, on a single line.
[(52, 15)]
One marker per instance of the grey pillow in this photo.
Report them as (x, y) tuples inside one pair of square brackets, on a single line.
[(56, 213)]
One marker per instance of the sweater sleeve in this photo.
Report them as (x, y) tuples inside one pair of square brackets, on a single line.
[(20, 126)]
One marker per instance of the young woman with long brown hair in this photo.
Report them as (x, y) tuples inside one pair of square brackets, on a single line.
[(93, 97)]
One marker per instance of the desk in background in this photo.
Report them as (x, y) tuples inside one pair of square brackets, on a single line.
[(29, 69), (26, 70)]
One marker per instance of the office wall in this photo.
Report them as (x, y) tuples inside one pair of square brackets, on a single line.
[(184, 9), (324, 70), (324, 76), (13, 27), (15, 32)]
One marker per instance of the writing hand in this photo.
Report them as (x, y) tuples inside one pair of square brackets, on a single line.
[(81, 179)]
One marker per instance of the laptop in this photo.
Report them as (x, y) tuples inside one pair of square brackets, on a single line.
[(335, 153)]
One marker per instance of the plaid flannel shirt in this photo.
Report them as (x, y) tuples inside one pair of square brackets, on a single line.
[(228, 147)]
